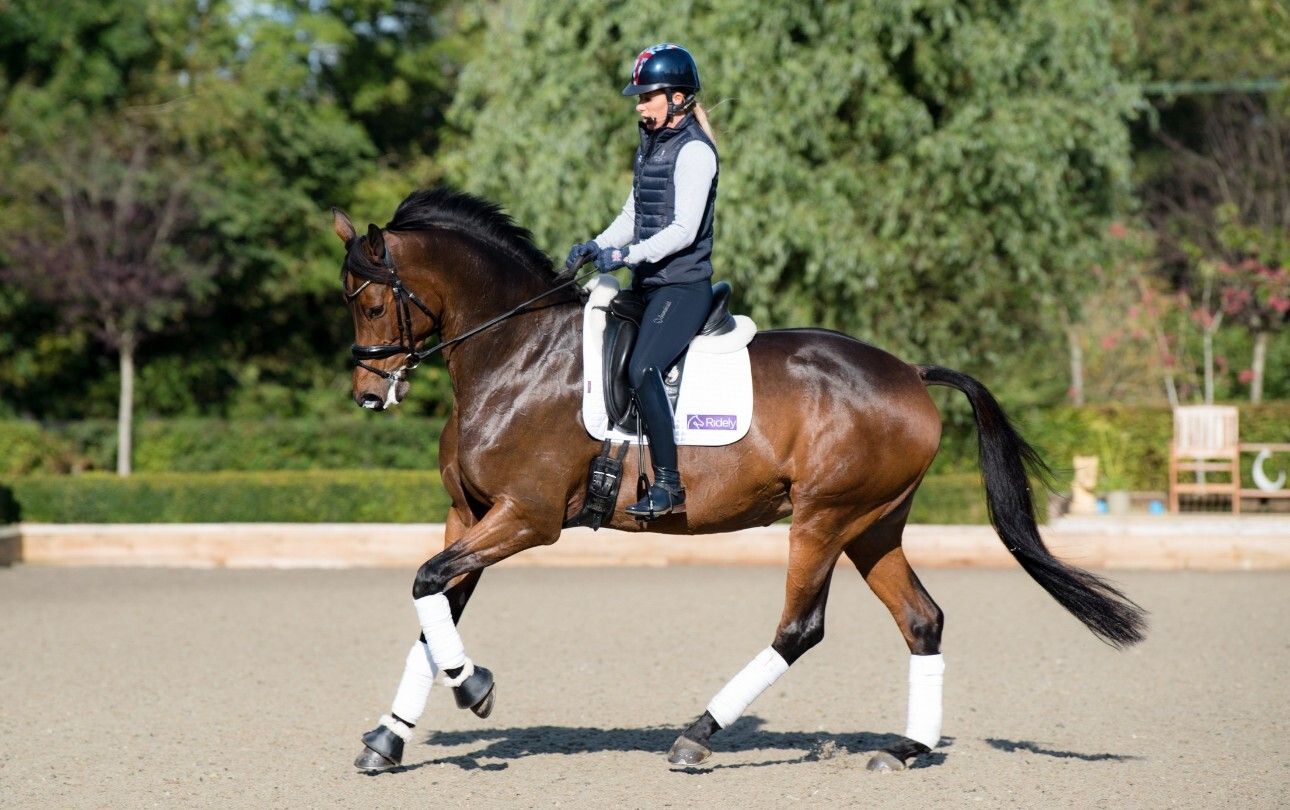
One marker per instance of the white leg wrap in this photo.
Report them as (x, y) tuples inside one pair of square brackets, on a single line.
[(414, 688), (744, 688), (926, 677), (446, 649)]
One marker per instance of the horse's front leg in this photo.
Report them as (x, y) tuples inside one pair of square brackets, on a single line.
[(501, 533), (383, 745)]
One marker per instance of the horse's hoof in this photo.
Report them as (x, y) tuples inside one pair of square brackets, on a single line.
[(485, 707), (382, 751), (372, 762), (686, 752), (885, 762), (476, 692)]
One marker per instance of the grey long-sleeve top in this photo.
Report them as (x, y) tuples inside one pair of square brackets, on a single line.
[(696, 165)]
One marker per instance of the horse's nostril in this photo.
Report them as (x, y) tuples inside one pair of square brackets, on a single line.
[(371, 401)]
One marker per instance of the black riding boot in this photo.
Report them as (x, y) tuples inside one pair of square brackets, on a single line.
[(666, 495)]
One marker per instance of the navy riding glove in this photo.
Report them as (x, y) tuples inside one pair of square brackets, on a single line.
[(610, 259), (580, 254)]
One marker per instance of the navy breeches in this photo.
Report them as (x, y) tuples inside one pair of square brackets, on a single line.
[(674, 313)]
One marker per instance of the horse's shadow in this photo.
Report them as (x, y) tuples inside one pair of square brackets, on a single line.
[(745, 735), (1012, 746)]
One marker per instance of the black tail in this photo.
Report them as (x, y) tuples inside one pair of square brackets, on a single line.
[(1005, 457)]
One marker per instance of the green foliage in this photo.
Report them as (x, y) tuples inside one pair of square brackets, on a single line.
[(934, 176), (954, 498), (203, 445), (229, 92), (1216, 40), (25, 448), (1132, 443), (948, 182), (234, 497)]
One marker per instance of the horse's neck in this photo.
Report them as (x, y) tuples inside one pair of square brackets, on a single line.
[(482, 301), (492, 367), (501, 363)]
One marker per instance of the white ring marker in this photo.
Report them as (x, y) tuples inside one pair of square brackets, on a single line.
[(1261, 479)]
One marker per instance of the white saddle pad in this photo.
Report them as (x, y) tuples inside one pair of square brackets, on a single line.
[(716, 399)]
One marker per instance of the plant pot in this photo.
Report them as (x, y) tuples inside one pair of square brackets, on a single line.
[(1117, 502)]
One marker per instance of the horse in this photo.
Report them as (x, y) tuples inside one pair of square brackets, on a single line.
[(841, 437)]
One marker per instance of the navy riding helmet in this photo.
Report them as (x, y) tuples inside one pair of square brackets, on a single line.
[(665, 67)]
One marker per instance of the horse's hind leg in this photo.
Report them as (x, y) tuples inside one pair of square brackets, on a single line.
[(814, 549), (879, 558)]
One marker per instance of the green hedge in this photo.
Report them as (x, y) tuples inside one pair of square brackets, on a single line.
[(952, 498), (365, 441), (1132, 442), (347, 496), (326, 497)]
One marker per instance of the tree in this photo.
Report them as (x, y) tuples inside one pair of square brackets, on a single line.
[(1258, 296), (119, 262), (237, 92), (936, 176), (1207, 157), (1223, 218), (1207, 40)]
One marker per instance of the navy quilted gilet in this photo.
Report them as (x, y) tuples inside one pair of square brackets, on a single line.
[(654, 190)]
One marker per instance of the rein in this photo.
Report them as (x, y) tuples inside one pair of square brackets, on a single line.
[(407, 340)]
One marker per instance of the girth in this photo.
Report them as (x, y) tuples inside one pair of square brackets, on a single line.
[(622, 326)]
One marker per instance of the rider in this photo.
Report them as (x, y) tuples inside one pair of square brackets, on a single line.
[(664, 235)]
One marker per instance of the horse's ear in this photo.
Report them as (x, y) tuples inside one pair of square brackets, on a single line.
[(375, 243), (343, 227)]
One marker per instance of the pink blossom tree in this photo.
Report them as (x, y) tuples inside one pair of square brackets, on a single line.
[(1258, 297), (1223, 221)]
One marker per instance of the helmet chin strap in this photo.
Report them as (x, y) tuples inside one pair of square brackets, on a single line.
[(674, 109)]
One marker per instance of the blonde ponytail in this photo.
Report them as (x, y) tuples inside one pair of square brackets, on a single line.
[(701, 115)]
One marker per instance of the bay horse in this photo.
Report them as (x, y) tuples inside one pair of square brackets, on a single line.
[(841, 437)]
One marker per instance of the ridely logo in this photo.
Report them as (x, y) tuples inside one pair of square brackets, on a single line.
[(712, 421)]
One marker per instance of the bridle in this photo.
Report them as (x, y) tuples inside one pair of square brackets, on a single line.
[(404, 299)]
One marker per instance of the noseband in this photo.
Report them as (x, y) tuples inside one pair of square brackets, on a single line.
[(407, 338)]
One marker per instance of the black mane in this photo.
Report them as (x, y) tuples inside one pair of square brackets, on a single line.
[(447, 208)]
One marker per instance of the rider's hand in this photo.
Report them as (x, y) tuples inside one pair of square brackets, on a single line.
[(580, 254), (610, 259)]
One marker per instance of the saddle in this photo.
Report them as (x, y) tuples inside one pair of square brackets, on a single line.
[(622, 326)]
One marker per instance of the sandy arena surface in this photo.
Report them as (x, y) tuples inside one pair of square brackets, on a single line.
[(182, 688)]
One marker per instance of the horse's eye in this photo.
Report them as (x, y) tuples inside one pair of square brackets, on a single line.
[(376, 312)]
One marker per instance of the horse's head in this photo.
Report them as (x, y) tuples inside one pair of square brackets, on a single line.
[(390, 320)]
